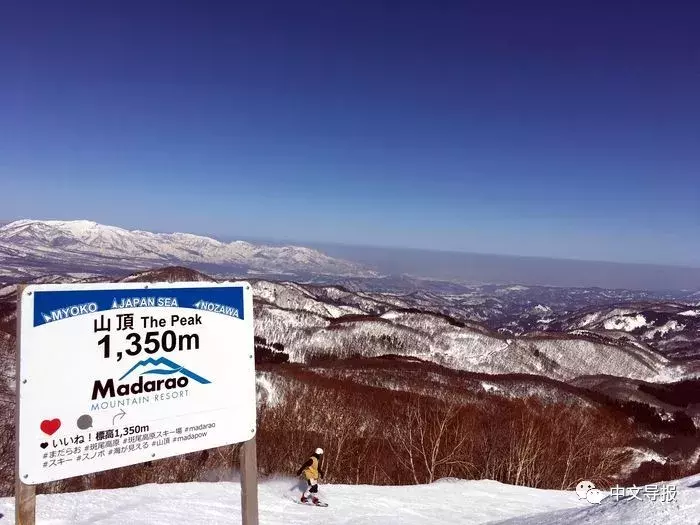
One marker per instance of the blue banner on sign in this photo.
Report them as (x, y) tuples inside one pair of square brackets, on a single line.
[(55, 306)]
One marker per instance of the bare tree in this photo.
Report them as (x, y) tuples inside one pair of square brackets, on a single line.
[(429, 440)]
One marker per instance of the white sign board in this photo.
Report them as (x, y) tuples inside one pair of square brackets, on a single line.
[(115, 374)]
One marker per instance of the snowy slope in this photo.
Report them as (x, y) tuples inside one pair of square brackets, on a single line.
[(639, 507), (671, 327), (328, 321), (294, 296), (33, 244), (306, 331), (444, 502)]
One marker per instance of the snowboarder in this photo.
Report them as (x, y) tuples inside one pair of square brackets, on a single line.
[(312, 472)]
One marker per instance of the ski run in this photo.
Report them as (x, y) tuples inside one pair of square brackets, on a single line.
[(444, 502)]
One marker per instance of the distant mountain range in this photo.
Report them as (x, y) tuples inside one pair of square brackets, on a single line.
[(29, 248), (492, 330), (32, 248)]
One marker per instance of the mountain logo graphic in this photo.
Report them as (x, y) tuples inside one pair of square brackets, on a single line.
[(165, 367)]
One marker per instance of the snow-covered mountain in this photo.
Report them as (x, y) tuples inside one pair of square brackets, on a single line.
[(671, 327), (32, 247), (310, 337), (314, 322), (672, 317), (317, 322)]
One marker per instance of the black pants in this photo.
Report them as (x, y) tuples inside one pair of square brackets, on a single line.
[(312, 487)]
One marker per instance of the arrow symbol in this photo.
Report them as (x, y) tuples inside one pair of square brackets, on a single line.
[(120, 414)]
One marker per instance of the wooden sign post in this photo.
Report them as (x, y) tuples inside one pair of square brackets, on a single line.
[(249, 483), (25, 495)]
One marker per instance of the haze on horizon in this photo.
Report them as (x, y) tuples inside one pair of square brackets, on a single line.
[(488, 268), (535, 129)]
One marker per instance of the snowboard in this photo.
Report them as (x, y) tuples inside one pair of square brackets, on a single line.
[(312, 504)]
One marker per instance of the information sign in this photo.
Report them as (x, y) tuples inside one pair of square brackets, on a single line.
[(115, 374)]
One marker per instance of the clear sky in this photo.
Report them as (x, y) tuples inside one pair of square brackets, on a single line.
[(561, 128)]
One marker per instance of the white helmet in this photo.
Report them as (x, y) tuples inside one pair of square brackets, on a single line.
[(319, 451)]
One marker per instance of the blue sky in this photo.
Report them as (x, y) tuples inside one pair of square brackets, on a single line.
[(560, 129)]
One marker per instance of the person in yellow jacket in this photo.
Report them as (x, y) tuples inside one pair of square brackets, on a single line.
[(312, 471)]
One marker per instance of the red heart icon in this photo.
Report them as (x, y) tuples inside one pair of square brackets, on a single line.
[(49, 427)]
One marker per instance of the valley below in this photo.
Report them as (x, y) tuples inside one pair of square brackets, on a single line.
[(528, 386)]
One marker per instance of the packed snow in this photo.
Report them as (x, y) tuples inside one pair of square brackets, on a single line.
[(444, 502), (676, 503)]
